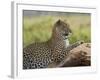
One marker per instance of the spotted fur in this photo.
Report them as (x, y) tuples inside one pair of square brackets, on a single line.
[(41, 55)]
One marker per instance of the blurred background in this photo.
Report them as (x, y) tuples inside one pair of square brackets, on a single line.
[(37, 25)]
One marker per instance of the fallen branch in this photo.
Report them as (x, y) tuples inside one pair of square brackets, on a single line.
[(79, 56)]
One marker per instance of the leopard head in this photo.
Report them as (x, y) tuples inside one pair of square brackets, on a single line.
[(61, 30)]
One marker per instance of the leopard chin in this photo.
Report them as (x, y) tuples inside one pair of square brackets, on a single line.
[(66, 41)]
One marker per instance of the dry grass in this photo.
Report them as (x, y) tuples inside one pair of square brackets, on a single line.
[(39, 29)]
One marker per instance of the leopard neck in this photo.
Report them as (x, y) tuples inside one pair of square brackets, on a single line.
[(55, 41)]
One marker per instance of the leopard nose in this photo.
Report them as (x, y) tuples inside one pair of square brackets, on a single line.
[(66, 34)]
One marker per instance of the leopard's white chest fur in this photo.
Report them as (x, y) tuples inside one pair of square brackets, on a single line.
[(66, 41)]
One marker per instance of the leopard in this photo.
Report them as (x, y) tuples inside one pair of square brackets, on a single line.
[(51, 52)]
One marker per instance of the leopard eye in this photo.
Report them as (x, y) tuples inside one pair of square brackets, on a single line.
[(66, 34)]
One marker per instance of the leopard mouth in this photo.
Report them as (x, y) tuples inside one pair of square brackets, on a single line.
[(65, 37)]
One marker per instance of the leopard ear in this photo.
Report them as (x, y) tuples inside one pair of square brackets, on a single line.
[(58, 22)]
